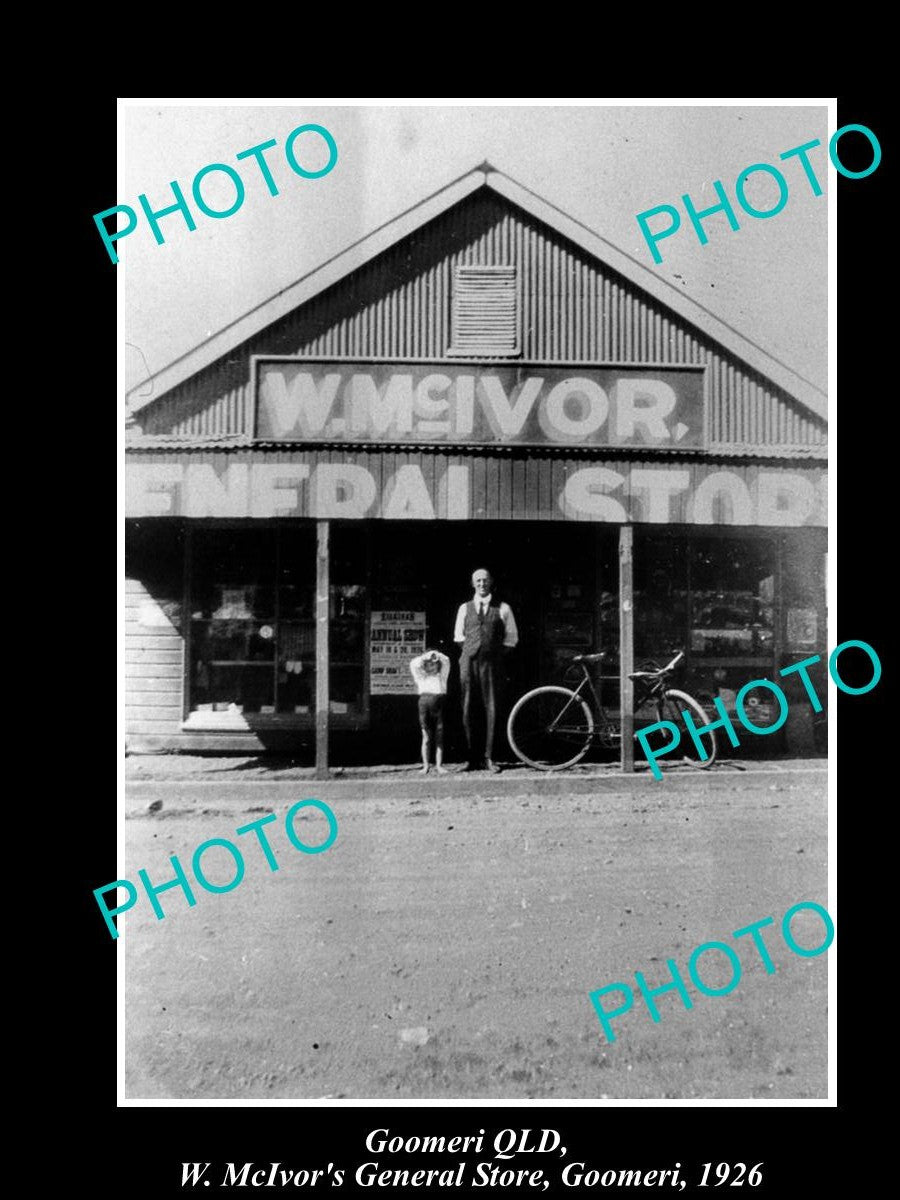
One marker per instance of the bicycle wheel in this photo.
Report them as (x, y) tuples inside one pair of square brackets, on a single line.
[(550, 728), (670, 708)]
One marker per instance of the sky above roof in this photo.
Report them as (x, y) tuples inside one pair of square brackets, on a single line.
[(600, 164)]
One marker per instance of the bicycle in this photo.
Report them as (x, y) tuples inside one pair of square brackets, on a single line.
[(553, 727)]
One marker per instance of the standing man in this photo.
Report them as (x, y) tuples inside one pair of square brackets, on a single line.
[(485, 632)]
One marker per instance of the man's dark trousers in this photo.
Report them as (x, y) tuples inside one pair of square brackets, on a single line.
[(480, 671)]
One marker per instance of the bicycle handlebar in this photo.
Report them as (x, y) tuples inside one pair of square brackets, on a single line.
[(592, 658), (659, 672)]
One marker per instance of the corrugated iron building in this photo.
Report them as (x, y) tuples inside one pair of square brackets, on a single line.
[(481, 382)]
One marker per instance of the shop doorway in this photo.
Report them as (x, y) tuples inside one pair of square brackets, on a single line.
[(561, 582)]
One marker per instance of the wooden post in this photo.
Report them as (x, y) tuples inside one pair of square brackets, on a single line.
[(186, 622), (626, 643), (323, 612)]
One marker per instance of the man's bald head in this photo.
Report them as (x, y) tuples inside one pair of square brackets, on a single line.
[(482, 582)]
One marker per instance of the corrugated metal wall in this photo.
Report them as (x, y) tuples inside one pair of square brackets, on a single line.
[(572, 309)]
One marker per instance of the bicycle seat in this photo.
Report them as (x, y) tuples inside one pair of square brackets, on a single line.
[(589, 658)]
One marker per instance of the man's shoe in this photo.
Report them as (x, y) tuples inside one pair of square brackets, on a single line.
[(492, 767), (470, 766)]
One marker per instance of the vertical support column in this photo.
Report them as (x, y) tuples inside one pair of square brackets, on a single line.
[(186, 623), (323, 594), (626, 642), (779, 640)]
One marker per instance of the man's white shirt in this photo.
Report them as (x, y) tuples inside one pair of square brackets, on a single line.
[(510, 632)]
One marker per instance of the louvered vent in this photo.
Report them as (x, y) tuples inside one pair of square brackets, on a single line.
[(485, 318)]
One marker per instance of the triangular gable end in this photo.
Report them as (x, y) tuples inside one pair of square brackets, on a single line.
[(389, 295)]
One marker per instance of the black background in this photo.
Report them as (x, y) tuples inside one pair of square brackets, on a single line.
[(140, 1150)]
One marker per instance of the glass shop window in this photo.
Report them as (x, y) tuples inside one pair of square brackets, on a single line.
[(296, 633), (804, 591), (253, 626), (660, 598), (732, 598), (252, 622), (568, 584), (349, 608), (803, 611), (233, 622)]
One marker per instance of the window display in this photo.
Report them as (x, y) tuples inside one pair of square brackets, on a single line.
[(713, 597), (716, 598), (349, 614), (296, 631), (232, 632), (804, 593), (660, 598), (733, 598), (253, 631), (579, 611)]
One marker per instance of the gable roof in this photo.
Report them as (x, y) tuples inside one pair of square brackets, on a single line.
[(399, 227)]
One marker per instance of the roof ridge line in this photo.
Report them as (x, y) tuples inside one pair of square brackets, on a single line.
[(657, 278), (312, 271), (339, 266)]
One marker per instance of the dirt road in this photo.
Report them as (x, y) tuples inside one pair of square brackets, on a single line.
[(445, 945)]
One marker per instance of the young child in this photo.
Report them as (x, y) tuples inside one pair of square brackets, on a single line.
[(431, 671)]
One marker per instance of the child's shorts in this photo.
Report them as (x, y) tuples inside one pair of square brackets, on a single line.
[(431, 713)]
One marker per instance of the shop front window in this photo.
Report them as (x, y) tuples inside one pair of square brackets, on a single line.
[(660, 598), (568, 624), (253, 628), (349, 601), (296, 680), (715, 599), (580, 604), (233, 627), (804, 591), (733, 599), (732, 622), (804, 629)]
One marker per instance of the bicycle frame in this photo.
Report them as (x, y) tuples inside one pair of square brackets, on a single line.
[(647, 686)]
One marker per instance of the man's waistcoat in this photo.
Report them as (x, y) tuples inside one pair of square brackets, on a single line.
[(483, 633)]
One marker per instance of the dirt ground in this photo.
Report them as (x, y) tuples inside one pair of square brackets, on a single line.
[(446, 943)]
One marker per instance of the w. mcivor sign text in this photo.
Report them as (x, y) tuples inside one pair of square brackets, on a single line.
[(526, 403)]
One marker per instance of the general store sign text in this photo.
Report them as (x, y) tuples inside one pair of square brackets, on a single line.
[(528, 404), (436, 487)]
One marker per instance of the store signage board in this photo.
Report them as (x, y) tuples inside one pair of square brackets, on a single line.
[(348, 485), (395, 639), (461, 403)]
